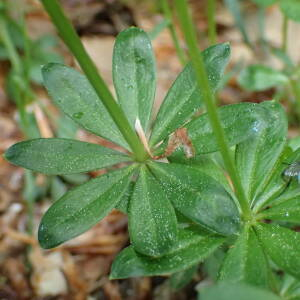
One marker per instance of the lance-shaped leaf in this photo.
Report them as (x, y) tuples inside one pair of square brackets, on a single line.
[(205, 164), (280, 188), (282, 245), (260, 78), (74, 95), (291, 8), (184, 98), (82, 207), (123, 204), (198, 197), (180, 279), (290, 287), (256, 156), (227, 291), (292, 191), (192, 247), (152, 219), (134, 74), (245, 262), (238, 120), (288, 211), (62, 156), (236, 9)]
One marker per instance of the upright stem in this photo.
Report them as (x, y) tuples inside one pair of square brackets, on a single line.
[(30, 199), (17, 68), (296, 91), (285, 27), (168, 16), (11, 50), (211, 17), (234, 6), (27, 51), (72, 40), (202, 79), (261, 27), (16, 80)]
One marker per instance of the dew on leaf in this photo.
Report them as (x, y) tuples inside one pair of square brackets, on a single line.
[(78, 115)]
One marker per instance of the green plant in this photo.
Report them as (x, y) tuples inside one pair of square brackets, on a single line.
[(25, 57), (181, 206), (260, 77)]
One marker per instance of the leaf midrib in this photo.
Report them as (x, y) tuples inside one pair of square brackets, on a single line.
[(58, 224)]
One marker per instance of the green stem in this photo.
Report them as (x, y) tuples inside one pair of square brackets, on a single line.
[(296, 91), (202, 79), (72, 40), (261, 27), (284, 29), (17, 69), (30, 199), (27, 61), (168, 16), (280, 93), (234, 6), (16, 80), (212, 28), (8, 44)]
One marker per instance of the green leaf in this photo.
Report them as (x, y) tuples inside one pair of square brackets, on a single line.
[(291, 8), (123, 204), (227, 291), (256, 156), (62, 156), (152, 219), (180, 279), (57, 188), (76, 179), (82, 207), (31, 191), (134, 74), (205, 164), (294, 143), (284, 57), (245, 262), (158, 28), (15, 31), (290, 288), (282, 245), (198, 197), (264, 3), (260, 78), (32, 129), (235, 7), (192, 247), (73, 94), (279, 186), (212, 264), (42, 52), (292, 191), (288, 211), (184, 98), (239, 122), (66, 128), (3, 53)]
